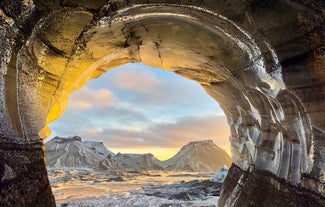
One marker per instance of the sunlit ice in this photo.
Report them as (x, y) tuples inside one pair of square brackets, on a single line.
[(261, 60)]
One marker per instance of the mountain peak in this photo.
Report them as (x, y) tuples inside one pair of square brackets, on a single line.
[(208, 141), (199, 156), (73, 152), (66, 139)]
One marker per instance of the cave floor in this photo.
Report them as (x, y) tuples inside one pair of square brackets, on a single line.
[(84, 187)]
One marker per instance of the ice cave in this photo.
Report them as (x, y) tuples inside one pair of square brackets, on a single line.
[(262, 60)]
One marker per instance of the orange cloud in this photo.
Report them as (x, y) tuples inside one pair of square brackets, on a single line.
[(104, 98), (171, 135), (87, 98), (135, 80), (80, 104), (136, 109)]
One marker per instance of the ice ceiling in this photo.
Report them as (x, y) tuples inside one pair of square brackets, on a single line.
[(231, 51)]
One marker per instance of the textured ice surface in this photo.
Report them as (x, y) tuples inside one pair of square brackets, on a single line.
[(87, 188), (138, 199), (221, 175)]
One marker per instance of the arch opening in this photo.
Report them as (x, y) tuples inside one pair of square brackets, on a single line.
[(138, 127), (136, 108), (225, 60)]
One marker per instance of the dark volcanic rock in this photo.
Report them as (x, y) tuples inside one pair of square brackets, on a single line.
[(117, 179), (258, 188), (184, 196), (171, 205), (187, 191), (22, 172)]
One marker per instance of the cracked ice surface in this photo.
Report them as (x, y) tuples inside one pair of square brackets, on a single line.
[(81, 188), (138, 199)]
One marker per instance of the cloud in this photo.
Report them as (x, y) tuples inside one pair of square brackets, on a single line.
[(142, 85), (166, 135), (139, 108), (193, 129), (96, 110), (126, 115), (70, 125), (104, 98), (73, 122), (141, 81), (86, 99), (81, 104)]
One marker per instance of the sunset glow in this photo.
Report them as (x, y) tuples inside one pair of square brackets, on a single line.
[(138, 109), (160, 153)]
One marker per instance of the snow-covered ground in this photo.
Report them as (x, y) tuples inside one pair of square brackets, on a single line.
[(86, 188)]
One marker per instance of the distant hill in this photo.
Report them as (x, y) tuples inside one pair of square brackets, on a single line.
[(201, 156), (73, 152), (133, 162)]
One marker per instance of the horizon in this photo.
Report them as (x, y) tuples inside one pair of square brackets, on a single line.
[(159, 153)]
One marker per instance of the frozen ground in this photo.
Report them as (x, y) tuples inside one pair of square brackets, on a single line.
[(85, 188)]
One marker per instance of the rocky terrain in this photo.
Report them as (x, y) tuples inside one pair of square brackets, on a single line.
[(134, 162), (84, 187), (72, 152), (201, 156)]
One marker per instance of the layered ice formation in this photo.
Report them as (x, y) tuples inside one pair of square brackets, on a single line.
[(221, 175), (263, 61)]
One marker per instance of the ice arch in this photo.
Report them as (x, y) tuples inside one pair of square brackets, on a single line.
[(257, 59)]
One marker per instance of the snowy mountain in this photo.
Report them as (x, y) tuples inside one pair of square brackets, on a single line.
[(202, 156), (221, 175), (134, 162), (73, 152)]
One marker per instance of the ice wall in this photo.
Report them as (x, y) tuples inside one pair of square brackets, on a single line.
[(62, 54), (261, 61)]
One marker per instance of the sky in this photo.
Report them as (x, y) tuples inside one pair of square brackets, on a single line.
[(138, 109)]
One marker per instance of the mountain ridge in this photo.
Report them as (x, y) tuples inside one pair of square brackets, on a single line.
[(72, 152), (198, 156)]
